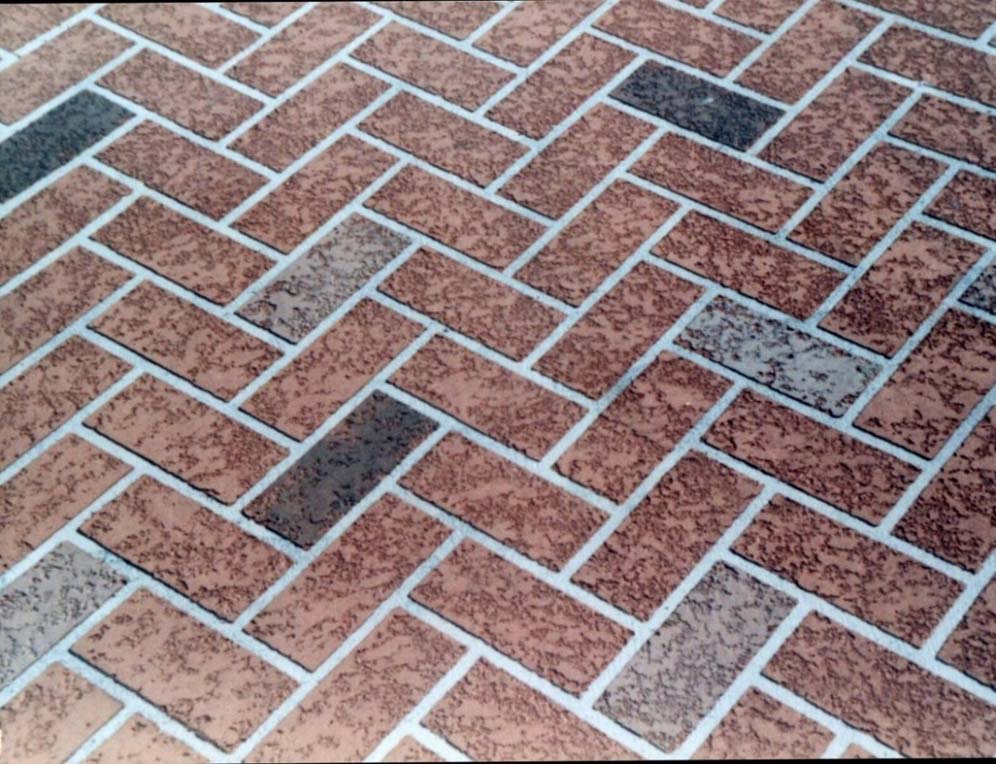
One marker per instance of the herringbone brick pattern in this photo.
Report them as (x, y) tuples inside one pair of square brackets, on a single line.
[(403, 381)]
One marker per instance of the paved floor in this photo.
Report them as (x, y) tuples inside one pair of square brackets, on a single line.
[(485, 380)]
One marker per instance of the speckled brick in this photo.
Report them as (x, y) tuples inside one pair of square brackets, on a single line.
[(488, 397), (765, 15), (309, 116), (410, 750), (141, 742), (336, 593), (551, 93), (364, 697), (182, 95), (807, 51), (52, 216), (52, 299), (311, 39), (187, 547), (431, 65), (982, 293), (491, 716), (53, 716), (187, 253), (473, 304), (43, 605), (509, 503), (667, 534), (524, 34), (878, 692), (49, 492), (790, 361), (456, 18), (679, 35), (926, 399), (42, 74), (560, 175), (690, 661), (619, 328), (192, 343), (183, 170), (549, 632), (340, 469), (955, 516), (900, 291), (146, 644), (185, 437), (21, 23), (36, 402), (968, 201), (332, 369), (462, 220), (759, 727), (827, 464), (972, 645), (443, 139), (267, 14), (951, 129), (721, 181), (300, 296), (822, 137), (969, 18), (596, 241), (750, 265)]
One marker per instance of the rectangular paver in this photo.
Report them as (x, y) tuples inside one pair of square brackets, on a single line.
[(968, 201), (522, 35), (141, 740), (952, 129), (970, 648)]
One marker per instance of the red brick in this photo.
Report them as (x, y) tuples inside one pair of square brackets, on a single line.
[(904, 286), (267, 14), (358, 572), (457, 18), (462, 220), (443, 139), (951, 129), (176, 167), (524, 34), (807, 51), (972, 647), (365, 696), (679, 35), (968, 201), (667, 534), (432, 65), (766, 15), (52, 299), (141, 742), (488, 397), (926, 399), (187, 438), (332, 369), (21, 23), (35, 403), (147, 645), (969, 18), (878, 692), (549, 632), (833, 467), (310, 115), (57, 65), (296, 208), (410, 750), (475, 305), (509, 503), (596, 241), (559, 176), (864, 206), (721, 181), (561, 85), (855, 573)]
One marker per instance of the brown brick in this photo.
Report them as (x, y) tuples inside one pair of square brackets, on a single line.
[(766, 15), (141, 742), (358, 572), (189, 548), (332, 369), (878, 692), (296, 208), (267, 14), (549, 632), (968, 201), (187, 438), (365, 696), (524, 34), (721, 181), (410, 750), (21, 23), (488, 397), (951, 129), (457, 18), (509, 503), (972, 647), (473, 304), (833, 467), (926, 399), (596, 241), (969, 18), (146, 644), (462, 220)]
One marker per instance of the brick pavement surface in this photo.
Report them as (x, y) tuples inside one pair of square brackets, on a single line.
[(568, 379)]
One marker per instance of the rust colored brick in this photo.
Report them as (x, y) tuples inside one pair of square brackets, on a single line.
[(968, 201), (141, 741), (531, 28), (951, 129), (21, 23), (456, 18), (365, 696), (488, 397), (969, 18), (765, 15), (267, 14), (972, 645)]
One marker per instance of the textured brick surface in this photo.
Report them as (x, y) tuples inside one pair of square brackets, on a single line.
[(951, 129), (971, 647), (141, 742), (968, 201)]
